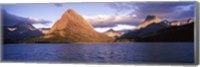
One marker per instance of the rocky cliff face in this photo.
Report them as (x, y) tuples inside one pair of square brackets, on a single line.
[(150, 26), (72, 27), (154, 30), (19, 32), (149, 20), (71, 21)]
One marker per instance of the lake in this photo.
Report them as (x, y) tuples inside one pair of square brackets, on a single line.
[(114, 53)]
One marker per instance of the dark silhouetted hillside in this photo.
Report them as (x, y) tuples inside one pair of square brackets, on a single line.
[(19, 32), (152, 31)]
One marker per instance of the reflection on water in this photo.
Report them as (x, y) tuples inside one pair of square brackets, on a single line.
[(101, 53)]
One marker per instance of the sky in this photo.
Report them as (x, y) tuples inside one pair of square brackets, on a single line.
[(104, 16)]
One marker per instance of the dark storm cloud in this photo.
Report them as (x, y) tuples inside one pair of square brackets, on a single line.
[(169, 10), (10, 19), (189, 13), (58, 4)]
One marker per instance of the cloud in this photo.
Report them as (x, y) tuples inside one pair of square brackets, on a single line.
[(10, 19), (117, 27), (37, 21), (169, 10), (108, 20), (58, 4), (135, 13)]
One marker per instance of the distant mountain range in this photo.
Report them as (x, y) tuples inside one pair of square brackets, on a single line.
[(16, 28), (19, 32), (153, 30), (183, 33), (150, 26), (115, 34), (73, 28)]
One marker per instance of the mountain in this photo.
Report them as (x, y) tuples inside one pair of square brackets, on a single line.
[(44, 30), (17, 29), (72, 27), (154, 30), (115, 34), (150, 19), (110, 33), (183, 33), (149, 27), (19, 32)]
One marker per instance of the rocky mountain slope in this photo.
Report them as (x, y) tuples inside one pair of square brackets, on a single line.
[(72, 27), (183, 33), (150, 26), (154, 30), (19, 32)]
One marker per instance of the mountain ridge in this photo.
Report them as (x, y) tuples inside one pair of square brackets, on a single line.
[(73, 28), (155, 32), (149, 20), (19, 32)]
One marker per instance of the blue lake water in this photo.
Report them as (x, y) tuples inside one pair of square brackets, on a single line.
[(123, 53)]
